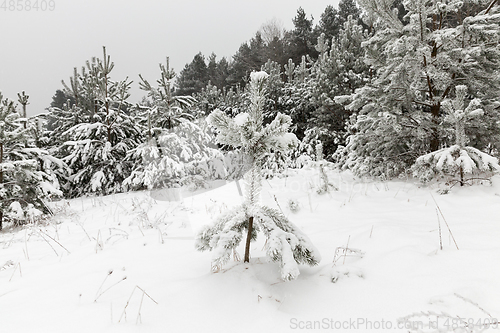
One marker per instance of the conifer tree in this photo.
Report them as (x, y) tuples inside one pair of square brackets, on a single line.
[(60, 99), (329, 23), (348, 8), (458, 159), (229, 100), (94, 135), (22, 98), (166, 110), (302, 38), (416, 65), (250, 57), (297, 95), (193, 77), (285, 243), (175, 150), (24, 186), (339, 70), (274, 90)]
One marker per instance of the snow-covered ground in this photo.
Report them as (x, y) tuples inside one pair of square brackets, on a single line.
[(127, 263)]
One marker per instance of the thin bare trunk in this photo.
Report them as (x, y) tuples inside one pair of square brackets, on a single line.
[(249, 238), (106, 102), (24, 115), (1, 161), (435, 131), (149, 125), (490, 6)]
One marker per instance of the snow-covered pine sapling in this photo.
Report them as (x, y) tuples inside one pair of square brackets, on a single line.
[(458, 159), (23, 186), (286, 244), (324, 184), (23, 100), (177, 150), (94, 136), (293, 205)]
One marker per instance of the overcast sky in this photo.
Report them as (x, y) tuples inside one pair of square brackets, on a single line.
[(41, 48)]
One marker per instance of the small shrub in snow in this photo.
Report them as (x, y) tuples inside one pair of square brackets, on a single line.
[(324, 185), (285, 244), (341, 272), (293, 205)]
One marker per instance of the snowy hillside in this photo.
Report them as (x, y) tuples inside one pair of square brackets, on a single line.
[(127, 262)]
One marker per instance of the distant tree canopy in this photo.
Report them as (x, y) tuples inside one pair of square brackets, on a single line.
[(271, 42), (60, 99), (193, 77)]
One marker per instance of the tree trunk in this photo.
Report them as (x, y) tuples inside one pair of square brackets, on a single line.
[(1, 161), (24, 115), (249, 238), (461, 176), (149, 126), (95, 109), (107, 70), (435, 122)]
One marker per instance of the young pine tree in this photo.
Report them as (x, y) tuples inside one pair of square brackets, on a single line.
[(94, 135), (285, 243), (24, 186), (176, 150), (458, 159)]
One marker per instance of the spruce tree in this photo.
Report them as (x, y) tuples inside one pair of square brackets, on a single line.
[(285, 243)]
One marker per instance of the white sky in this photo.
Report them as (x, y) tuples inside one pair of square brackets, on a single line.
[(39, 49)]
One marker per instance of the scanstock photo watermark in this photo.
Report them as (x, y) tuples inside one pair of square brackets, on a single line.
[(27, 5), (370, 325)]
